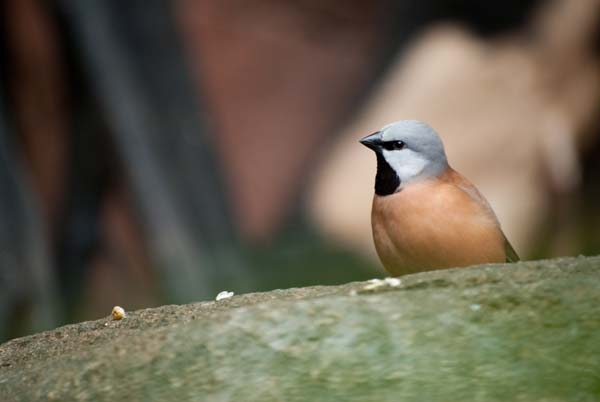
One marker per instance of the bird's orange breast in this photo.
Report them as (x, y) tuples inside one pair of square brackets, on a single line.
[(437, 223)]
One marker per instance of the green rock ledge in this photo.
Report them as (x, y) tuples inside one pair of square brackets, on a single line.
[(521, 332)]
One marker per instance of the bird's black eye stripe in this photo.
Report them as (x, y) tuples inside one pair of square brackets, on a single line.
[(393, 145)]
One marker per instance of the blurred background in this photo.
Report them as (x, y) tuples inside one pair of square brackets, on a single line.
[(160, 151)]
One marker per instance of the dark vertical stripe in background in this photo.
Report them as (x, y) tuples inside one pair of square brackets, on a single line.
[(132, 57)]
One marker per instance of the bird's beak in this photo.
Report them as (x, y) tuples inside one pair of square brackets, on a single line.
[(372, 141)]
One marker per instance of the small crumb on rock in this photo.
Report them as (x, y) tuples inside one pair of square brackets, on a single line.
[(373, 284), (224, 295), (393, 282), (118, 313)]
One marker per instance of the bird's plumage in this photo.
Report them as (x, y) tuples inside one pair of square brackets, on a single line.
[(425, 215)]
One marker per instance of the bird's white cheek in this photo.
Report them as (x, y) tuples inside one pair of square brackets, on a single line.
[(407, 164)]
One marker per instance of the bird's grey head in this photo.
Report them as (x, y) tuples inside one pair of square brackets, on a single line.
[(407, 151)]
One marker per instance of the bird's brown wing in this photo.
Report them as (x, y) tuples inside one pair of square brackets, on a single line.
[(511, 254), (459, 180)]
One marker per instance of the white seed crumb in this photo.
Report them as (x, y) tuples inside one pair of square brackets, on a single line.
[(393, 282), (353, 292), (374, 284), (224, 295), (475, 307), (118, 313)]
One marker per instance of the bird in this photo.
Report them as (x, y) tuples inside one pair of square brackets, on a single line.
[(425, 215)]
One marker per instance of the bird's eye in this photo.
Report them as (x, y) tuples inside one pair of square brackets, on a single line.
[(398, 144), (393, 145)]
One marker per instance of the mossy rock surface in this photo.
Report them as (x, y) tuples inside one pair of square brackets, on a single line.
[(521, 332)]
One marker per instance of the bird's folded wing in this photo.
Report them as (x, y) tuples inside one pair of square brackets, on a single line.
[(511, 254)]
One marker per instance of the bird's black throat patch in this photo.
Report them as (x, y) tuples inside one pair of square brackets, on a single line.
[(386, 181)]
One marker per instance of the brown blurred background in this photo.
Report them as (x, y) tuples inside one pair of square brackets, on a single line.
[(160, 151)]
